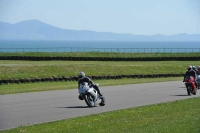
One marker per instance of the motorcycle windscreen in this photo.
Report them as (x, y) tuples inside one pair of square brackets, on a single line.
[(83, 88)]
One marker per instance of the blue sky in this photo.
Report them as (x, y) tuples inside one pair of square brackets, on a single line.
[(139, 17)]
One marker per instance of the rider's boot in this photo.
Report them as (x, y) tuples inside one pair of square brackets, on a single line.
[(97, 88), (101, 96)]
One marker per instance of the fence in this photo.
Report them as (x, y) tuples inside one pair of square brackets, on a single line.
[(117, 50)]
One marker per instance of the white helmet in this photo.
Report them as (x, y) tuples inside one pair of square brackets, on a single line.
[(81, 75), (189, 67), (193, 67)]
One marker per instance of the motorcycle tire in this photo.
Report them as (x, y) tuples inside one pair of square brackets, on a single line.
[(188, 90), (89, 100), (103, 102)]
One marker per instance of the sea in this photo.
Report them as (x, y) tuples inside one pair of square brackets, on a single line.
[(99, 46)]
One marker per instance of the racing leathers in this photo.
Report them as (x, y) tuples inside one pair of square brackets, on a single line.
[(190, 73)]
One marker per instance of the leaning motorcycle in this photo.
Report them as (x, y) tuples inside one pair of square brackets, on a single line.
[(190, 85), (90, 95)]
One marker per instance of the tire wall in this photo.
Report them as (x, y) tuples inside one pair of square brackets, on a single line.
[(36, 58), (74, 78)]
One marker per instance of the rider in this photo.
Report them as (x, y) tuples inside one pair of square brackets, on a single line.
[(83, 78), (194, 68), (198, 73), (190, 72), (198, 70)]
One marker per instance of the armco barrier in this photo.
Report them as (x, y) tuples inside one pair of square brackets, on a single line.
[(35, 58), (74, 78)]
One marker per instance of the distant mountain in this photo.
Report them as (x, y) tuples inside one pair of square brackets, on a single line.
[(37, 30)]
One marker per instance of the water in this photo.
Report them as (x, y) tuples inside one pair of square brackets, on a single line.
[(100, 46)]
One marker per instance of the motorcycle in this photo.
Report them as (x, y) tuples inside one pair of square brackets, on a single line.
[(190, 85), (90, 95), (198, 81)]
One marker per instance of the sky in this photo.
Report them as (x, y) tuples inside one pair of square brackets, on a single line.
[(138, 17)]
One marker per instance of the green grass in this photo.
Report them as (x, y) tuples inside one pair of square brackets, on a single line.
[(41, 69), (46, 86), (171, 117), (98, 54)]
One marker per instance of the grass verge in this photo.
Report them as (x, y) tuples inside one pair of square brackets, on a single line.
[(172, 117), (46, 86), (45, 69)]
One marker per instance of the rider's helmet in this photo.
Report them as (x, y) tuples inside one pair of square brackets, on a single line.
[(198, 68), (189, 67), (81, 75), (193, 67)]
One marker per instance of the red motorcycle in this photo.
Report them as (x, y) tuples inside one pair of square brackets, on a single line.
[(190, 85)]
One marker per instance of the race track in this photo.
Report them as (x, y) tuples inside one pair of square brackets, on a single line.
[(38, 107)]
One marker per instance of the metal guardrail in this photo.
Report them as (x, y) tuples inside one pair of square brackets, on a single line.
[(104, 50)]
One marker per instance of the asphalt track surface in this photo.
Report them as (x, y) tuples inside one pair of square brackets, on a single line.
[(38, 107)]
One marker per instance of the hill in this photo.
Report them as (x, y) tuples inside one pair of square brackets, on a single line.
[(37, 30)]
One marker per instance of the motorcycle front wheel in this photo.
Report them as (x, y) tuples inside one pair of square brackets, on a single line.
[(89, 100), (188, 89)]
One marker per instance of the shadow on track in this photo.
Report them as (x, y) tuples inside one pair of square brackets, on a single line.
[(180, 95), (74, 107)]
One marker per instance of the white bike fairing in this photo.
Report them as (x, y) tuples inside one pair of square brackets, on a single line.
[(90, 93)]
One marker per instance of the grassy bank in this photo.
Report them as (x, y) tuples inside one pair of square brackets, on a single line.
[(41, 69), (46, 86), (172, 117)]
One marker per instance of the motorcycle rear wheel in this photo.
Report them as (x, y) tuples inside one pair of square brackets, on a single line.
[(103, 102)]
